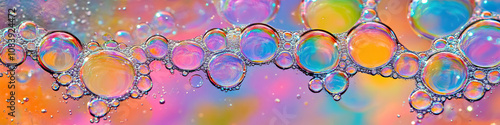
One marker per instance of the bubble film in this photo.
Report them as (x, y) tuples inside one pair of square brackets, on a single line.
[(336, 82), (420, 100), (407, 65), (28, 30), (157, 46)]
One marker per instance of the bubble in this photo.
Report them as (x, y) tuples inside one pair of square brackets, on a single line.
[(371, 44), (334, 16), (55, 86), (110, 44), (444, 73), (317, 51), (141, 33), (144, 84), (162, 101), (287, 36), (494, 76), (474, 90), (420, 100), (316, 85), (196, 81), (164, 23), (31, 46), (226, 70), (143, 69), (188, 55), (93, 46), (74, 90), (336, 82), (244, 12), (215, 39), (369, 14), (287, 46), (437, 108), (440, 44), (157, 46), (12, 54), (134, 94), (478, 74), (99, 66), (351, 70), (406, 65), (138, 54), (28, 30), (479, 43), (59, 51), (438, 18), (259, 43), (386, 71), (64, 79), (98, 108), (124, 37), (489, 5), (284, 60)]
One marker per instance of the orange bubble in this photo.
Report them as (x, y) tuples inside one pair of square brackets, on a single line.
[(371, 44)]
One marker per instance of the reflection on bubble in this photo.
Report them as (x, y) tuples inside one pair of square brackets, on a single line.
[(12, 54), (479, 43), (406, 65), (334, 16), (316, 85), (317, 51), (244, 12), (259, 43), (437, 108), (144, 84), (478, 74), (59, 51), (28, 30), (163, 23), (284, 60), (226, 70), (336, 82), (490, 5), (74, 90), (188, 55), (440, 44), (215, 39), (494, 76), (445, 73), (196, 81), (124, 37), (138, 55), (157, 46), (141, 33), (420, 100), (98, 108), (474, 90), (438, 18), (64, 79), (97, 68), (371, 44)]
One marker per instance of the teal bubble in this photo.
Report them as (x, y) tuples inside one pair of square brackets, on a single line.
[(490, 5), (444, 73), (317, 51), (336, 82)]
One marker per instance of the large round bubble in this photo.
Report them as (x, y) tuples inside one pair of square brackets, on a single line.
[(317, 51), (334, 16), (215, 39), (59, 51), (336, 82), (445, 73), (226, 70), (259, 43), (157, 46), (188, 56), (420, 100), (438, 18), (480, 43), (407, 65), (107, 74), (371, 44)]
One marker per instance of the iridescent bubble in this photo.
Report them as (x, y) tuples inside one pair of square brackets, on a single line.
[(187, 55), (93, 46), (437, 108), (438, 18), (371, 44), (489, 5), (284, 60), (64, 79), (226, 70), (244, 12), (31, 46), (287, 36), (74, 90), (41, 32), (316, 85), (134, 94), (440, 44), (99, 66), (386, 71), (59, 51), (480, 43), (141, 33), (478, 74), (12, 54), (8, 33), (28, 30), (157, 46), (215, 39), (445, 73), (98, 108), (336, 82), (420, 100), (369, 14), (317, 51), (334, 16), (110, 44), (196, 81), (287, 46), (143, 69), (144, 84), (474, 90), (406, 65), (494, 76), (125, 37), (163, 22), (138, 54), (259, 43)]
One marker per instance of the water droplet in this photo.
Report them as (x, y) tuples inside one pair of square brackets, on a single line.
[(336, 82), (420, 100), (284, 60), (98, 108), (474, 90), (437, 108), (494, 76), (74, 90), (157, 46), (406, 65), (144, 84), (28, 30), (196, 81)]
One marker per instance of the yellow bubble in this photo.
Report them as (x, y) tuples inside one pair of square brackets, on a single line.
[(334, 16)]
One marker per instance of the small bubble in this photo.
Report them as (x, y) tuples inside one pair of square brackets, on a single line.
[(162, 101), (44, 110)]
